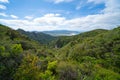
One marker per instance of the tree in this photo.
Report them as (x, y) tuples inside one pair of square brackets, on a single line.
[(29, 68), (49, 74), (16, 49)]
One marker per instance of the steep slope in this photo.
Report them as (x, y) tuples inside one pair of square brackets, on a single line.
[(13, 48), (38, 36), (11, 36)]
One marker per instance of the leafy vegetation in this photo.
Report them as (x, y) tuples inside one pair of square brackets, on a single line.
[(93, 55)]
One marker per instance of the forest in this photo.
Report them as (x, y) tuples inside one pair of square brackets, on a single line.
[(92, 55)]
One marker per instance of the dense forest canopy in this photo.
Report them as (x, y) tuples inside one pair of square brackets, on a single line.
[(93, 55)]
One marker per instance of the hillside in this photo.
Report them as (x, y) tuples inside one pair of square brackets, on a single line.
[(98, 52), (63, 40), (93, 55), (14, 49), (38, 36)]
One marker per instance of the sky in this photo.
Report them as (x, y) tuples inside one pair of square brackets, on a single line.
[(46, 15)]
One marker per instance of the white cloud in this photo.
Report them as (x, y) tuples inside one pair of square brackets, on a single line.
[(59, 1), (97, 1), (28, 17), (13, 16), (81, 4), (27, 25), (2, 7), (90, 22), (3, 14), (50, 19), (51, 15), (4, 1), (112, 6), (107, 19), (46, 22)]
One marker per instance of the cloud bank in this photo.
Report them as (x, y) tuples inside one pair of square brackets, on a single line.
[(2, 7), (4, 1), (3, 14)]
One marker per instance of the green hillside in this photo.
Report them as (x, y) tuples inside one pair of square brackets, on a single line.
[(93, 55), (14, 47), (63, 40)]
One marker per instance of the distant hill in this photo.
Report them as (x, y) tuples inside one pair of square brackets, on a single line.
[(38, 36), (63, 40), (46, 37), (61, 33)]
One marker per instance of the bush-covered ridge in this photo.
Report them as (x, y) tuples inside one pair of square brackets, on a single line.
[(93, 55), (38, 36)]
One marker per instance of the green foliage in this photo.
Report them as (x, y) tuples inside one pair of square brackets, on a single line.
[(11, 51), (49, 73), (3, 53), (29, 68), (2, 49), (52, 65), (67, 71), (105, 74), (16, 49)]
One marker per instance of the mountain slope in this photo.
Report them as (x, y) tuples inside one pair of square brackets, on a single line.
[(38, 36), (63, 40), (103, 48), (13, 48)]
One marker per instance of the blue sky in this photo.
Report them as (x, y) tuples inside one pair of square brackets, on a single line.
[(42, 15)]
